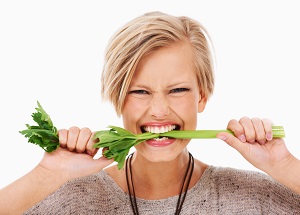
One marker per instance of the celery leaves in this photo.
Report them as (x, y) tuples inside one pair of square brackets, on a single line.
[(118, 142), (44, 134)]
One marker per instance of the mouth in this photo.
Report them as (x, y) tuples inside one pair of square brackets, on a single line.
[(160, 130)]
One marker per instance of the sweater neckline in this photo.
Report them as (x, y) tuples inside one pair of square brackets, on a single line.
[(122, 195)]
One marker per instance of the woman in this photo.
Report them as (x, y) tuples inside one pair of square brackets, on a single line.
[(158, 74)]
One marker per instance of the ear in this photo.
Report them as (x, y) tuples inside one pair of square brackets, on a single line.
[(202, 104)]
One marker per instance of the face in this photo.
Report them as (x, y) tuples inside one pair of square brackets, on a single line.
[(163, 95)]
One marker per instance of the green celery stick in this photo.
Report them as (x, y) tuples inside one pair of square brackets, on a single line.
[(278, 132), (118, 141)]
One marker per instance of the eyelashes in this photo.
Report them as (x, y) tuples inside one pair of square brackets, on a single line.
[(179, 90), (173, 93), (139, 92)]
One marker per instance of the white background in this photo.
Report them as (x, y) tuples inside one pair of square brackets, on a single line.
[(52, 51)]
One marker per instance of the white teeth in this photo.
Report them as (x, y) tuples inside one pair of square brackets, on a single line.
[(159, 129), (161, 138)]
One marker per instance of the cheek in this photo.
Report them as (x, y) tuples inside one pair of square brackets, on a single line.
[(131, 113), (187, 110)]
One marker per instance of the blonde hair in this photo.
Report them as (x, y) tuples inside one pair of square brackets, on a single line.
[(146, 34)]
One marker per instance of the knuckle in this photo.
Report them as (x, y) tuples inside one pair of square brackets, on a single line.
[(255, 119), (85, 131), (62, 135), (62, 132), (244, 119), (232, 123), (74, 129)]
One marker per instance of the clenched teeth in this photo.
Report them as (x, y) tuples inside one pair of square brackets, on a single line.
[(161, 138), (159, 129)]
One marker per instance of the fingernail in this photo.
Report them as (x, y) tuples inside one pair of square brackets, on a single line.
[(222, 137), (262, 142), (242, 138), (269, 136)]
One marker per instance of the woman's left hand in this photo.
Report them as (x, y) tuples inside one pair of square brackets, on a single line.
[(253, 139)]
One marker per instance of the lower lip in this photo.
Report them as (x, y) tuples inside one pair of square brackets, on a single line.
[(160, 143)]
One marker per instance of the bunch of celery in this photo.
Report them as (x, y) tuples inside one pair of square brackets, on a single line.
[(116, 140), (45, 133)]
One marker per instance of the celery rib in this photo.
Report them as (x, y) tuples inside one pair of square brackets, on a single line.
[(278, 132)]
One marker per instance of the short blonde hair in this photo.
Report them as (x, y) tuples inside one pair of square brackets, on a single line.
[(146, 34)]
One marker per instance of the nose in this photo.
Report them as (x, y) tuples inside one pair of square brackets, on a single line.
[(159, 106)]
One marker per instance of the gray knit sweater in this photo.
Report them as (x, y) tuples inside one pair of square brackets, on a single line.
[(219, 191)]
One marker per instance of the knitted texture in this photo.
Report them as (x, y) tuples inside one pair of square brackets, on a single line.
[(219, 191)]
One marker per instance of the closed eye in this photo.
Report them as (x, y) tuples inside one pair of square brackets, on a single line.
[(139, 92), (179, 90)]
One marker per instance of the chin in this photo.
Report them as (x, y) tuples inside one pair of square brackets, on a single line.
[(159, 154)]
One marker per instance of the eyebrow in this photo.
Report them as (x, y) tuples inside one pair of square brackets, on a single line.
[(179, 83), (138, 86), (169, 86)]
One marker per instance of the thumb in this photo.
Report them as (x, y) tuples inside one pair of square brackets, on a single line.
[(234, 142)]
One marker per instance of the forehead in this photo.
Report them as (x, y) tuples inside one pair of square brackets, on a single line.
[(172, 62)]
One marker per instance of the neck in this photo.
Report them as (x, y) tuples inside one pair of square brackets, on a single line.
[(156, 180)]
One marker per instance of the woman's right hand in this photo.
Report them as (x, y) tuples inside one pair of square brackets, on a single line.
[(73, 159), (75, 156)]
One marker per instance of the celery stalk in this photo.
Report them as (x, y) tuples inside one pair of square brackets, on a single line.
[(118, 141), (278, 132)]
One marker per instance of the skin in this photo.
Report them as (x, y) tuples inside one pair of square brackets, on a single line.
[(153, 167), (170, 95), (164, 91)]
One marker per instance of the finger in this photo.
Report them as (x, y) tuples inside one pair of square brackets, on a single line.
[(72, 138), (237, 129), (83, 138), (63, 137), (233, 142), (268, 128), (259, 130), (90, 145), (248, 128)]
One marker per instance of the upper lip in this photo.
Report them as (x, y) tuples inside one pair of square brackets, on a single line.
[(159, 128)]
